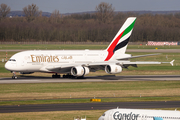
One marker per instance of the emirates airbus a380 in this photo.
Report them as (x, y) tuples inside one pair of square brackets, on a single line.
[(78, 63)]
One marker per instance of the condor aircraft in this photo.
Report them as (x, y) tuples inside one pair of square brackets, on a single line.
[(140, 114), (78, 63)]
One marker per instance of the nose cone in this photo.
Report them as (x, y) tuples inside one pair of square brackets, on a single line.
[(9, 66), (101, 118)]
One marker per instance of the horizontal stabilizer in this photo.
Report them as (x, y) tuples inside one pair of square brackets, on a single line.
[(172, 62), (137, 56)]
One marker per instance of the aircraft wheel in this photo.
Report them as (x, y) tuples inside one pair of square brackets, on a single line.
[(52, 76), (14, 77), (56, 76)]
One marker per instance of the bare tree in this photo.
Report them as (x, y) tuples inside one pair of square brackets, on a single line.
[(31, 12), (104, 12), (4, 10), (55, 16)]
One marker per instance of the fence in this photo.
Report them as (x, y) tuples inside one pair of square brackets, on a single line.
[(157, 43)]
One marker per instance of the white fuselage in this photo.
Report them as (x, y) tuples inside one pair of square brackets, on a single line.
[(140, 114), (40, 60)]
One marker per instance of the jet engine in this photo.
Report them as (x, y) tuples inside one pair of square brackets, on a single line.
[(113, 69), (79, 71)]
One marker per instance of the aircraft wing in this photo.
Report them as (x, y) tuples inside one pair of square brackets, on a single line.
[(125, 64), (65, 68), (94, 66)]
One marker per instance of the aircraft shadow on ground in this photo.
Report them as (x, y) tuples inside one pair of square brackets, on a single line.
[(104, 77)]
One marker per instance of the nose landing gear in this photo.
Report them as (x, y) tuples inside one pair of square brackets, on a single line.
[(14, 75)]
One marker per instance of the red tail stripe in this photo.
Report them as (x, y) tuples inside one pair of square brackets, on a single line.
[(112, 46)]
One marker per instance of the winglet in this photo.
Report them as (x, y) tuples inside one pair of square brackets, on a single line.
[(172, 62)]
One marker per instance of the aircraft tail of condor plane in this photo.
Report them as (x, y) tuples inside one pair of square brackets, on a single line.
[(78, 63), (140, 114)]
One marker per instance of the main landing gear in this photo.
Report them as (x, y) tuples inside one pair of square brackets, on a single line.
[(71, 76), (64, 76), (67, 76), (56, 76), (14, 75)]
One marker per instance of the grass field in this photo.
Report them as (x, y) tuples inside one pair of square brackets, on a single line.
[(120, 91), (20, 94), (163, 69), (59, 115)]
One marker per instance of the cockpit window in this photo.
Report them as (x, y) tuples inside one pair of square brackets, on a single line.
[(103, 114), (12, 60)]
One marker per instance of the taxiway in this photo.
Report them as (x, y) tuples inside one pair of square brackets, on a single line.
[(106, 78), (88, 106)]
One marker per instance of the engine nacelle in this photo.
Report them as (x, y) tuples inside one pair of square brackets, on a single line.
[(113, 69), (79, 71)]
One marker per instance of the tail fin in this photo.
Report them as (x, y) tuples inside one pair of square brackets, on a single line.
[(120, 41)]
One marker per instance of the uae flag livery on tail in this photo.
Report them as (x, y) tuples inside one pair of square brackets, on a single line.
[(120, 41)]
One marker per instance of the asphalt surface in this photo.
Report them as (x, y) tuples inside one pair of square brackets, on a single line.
[(88, 106), (105, 78)]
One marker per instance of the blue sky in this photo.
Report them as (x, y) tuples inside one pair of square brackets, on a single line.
[(72, 6)]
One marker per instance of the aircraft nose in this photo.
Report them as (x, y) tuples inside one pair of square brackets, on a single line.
[(101, 118), (7, 66)]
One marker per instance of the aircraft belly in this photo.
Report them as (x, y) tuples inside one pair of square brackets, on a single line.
[(62, 70)]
